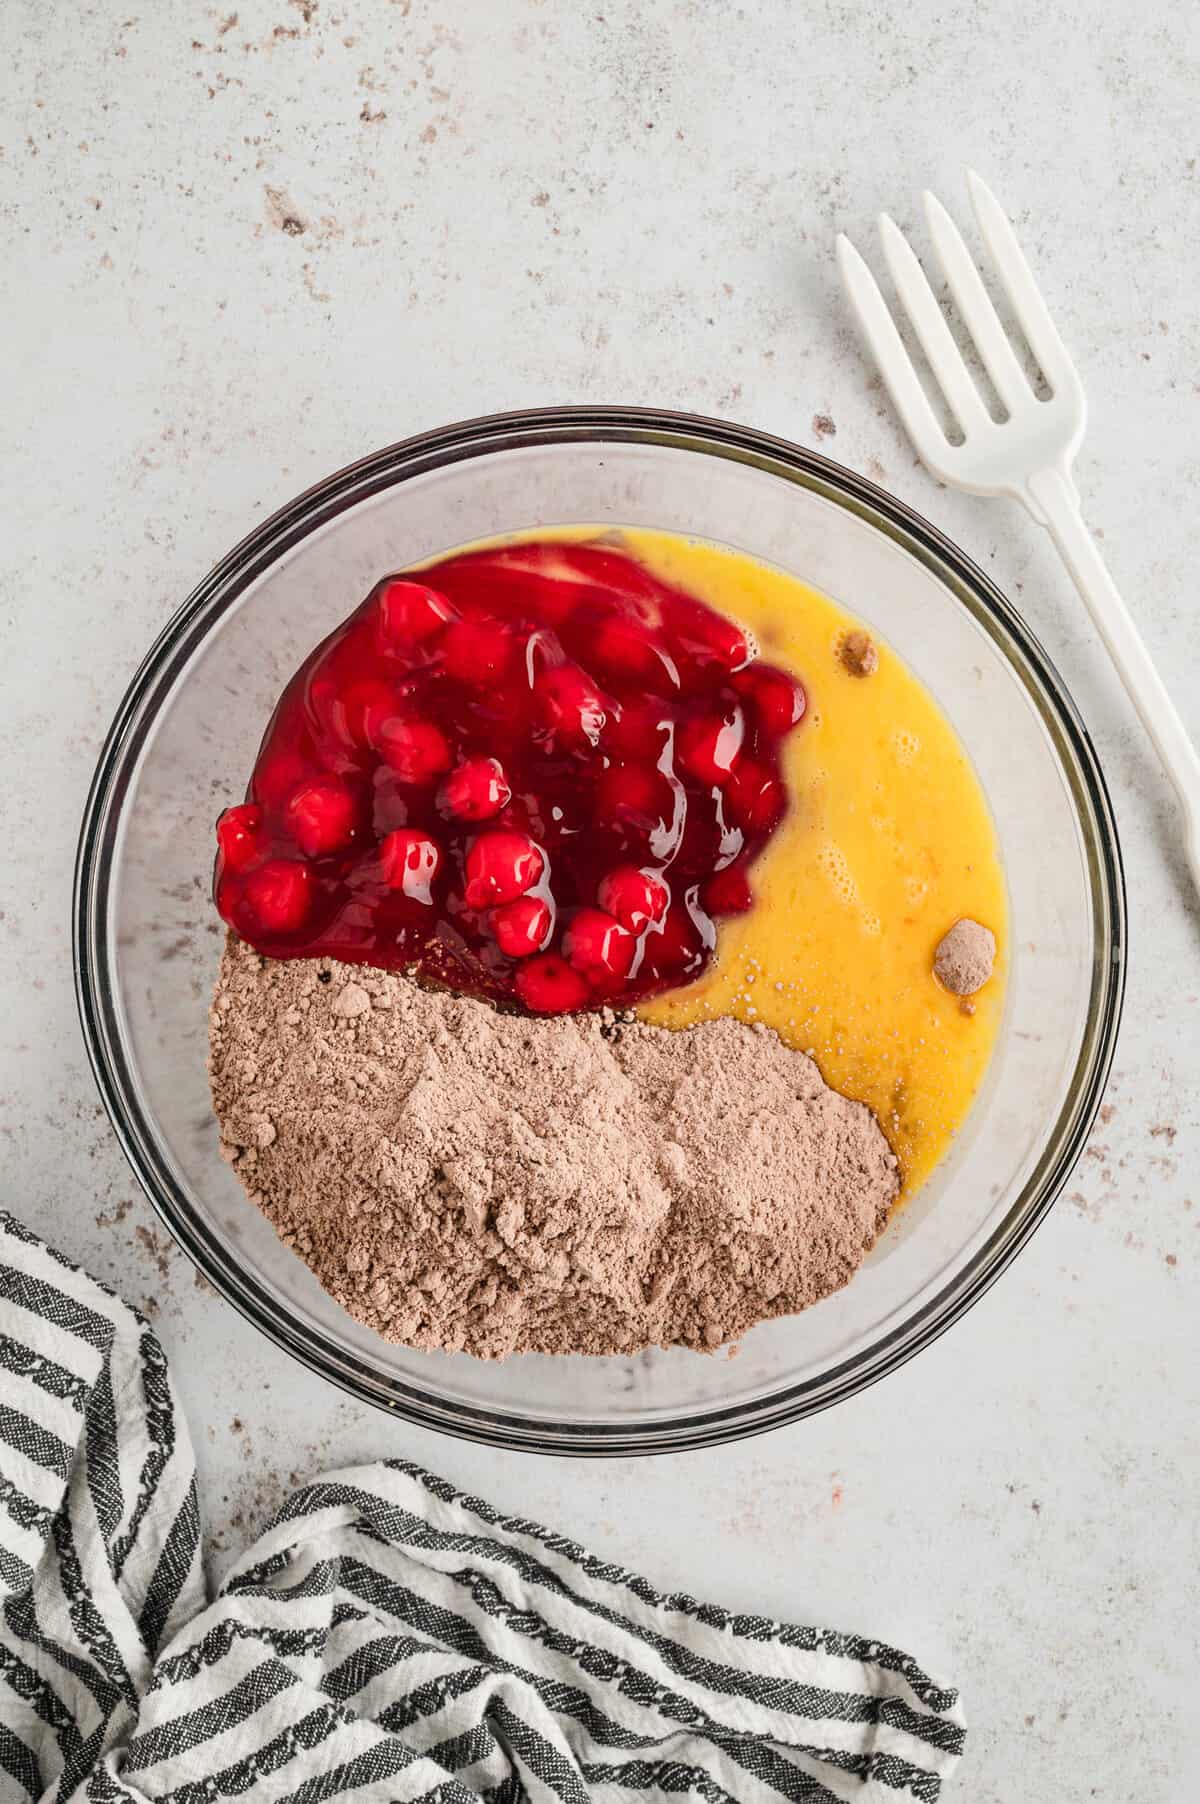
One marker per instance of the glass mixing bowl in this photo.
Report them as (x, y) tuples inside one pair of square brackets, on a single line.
[(147, 939)]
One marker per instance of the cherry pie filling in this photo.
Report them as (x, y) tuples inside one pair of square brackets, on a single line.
[(534, 774)]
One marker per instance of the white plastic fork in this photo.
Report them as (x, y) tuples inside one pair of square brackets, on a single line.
[(1029, 453)]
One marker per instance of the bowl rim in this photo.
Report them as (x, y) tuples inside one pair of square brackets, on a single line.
[(424, 451)]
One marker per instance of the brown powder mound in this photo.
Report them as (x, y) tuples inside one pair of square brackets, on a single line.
[(965, 957), (471, 1181), (859, 654)]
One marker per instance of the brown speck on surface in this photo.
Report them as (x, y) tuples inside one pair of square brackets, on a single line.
[(823, 427), (1164, 1130), (237, 1426), (306, 8), (227, 24), (1171, 1259), (157, 1247), (540, 199), (369, 117), (429, 135), (283, 213), (858, 654), (318, 294), (1107, 1111), (118, 1215)]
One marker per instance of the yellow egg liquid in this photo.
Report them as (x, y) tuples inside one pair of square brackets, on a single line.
[(887, 842)]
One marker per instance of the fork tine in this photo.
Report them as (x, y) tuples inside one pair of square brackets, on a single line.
[(887, 346), (974, 303), (929, 324), (1022, 290)]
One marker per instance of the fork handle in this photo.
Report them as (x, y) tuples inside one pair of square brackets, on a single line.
[(1056, 500)]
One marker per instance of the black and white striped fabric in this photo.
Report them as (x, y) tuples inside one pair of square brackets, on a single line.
[(386, 1639)]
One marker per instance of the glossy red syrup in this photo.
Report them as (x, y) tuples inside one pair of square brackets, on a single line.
[(534, 774)]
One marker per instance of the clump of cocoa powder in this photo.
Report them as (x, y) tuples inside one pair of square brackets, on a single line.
[(859, 654), (466, 1180), (965, 957)]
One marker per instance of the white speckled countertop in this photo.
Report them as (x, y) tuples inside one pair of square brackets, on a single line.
[(244, 246)]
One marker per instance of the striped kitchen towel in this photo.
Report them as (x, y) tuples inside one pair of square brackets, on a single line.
[(387, 1639)]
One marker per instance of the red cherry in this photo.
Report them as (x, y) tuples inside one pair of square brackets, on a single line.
[(598, 947), (615, 574), (777, 699), (411, 860), (410, 613), (278, 895), (708, 639), (323, 700), (708, 746), (754, 796), (524, 580), (570, 703), (552, 580), (540, 650), (637, 731), (521, 927), (634, 896), (320, 816), (500, 867), (548, 986), (727, 892), (237, 835), (276, 775), (629, 794), (415, 749), (628, 655), (478, 651), (358, 713), (475, 790), (677, 945)]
